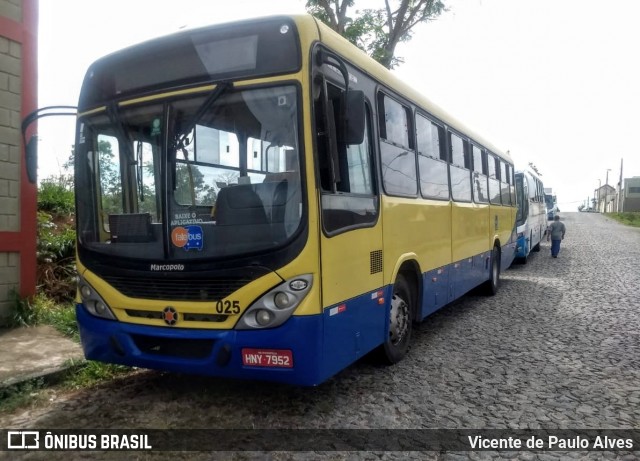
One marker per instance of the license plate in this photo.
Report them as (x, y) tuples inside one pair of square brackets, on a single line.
[(273, 358)]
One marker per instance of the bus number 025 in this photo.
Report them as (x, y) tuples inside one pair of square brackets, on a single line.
[(228, 307)]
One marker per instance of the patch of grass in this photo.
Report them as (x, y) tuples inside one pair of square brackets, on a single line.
[(42, 310), (628, 218), (21, 395), (90, 373), (37, 391)]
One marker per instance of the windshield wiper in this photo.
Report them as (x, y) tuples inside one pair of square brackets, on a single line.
[(222, 87)]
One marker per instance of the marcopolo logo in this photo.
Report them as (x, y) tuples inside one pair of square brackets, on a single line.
[(188, 237), (166, 267)]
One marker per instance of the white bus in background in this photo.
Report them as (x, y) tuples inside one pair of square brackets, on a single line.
[(531, 218), (551, 202)]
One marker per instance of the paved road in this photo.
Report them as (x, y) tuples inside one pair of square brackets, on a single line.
[(557, 347)]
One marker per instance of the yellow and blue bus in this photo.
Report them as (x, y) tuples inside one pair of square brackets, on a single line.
[(262, 200), (531, 218)]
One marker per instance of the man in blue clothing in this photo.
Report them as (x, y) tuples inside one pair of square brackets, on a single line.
[(557, 231)]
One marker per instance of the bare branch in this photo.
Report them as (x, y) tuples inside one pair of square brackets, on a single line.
[(324, 4)]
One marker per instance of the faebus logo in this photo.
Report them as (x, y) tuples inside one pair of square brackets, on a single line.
[(188, 237)]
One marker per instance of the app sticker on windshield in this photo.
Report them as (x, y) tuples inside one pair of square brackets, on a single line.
[(188, 237), (155, 127)]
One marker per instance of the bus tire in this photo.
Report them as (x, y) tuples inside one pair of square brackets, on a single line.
[(490, 287), (396, 345)]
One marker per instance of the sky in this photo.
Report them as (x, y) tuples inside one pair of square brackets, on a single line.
[(554, 82)]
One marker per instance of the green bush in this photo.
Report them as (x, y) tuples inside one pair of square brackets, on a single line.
[(56, 238), (55, 194)]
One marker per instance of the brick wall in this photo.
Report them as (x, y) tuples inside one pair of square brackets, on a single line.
[(9, 281), (10, 108), (18, 66)]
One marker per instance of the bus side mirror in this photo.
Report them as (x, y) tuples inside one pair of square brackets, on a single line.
[(353, 122), (31, 153)]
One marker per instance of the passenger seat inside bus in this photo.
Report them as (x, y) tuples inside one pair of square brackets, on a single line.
[(240, 215)]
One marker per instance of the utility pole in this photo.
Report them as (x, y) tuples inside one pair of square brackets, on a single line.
[(606, 188), (620, 184)]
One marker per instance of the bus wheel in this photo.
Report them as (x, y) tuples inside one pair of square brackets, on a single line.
[(490, 287), (396, 344)]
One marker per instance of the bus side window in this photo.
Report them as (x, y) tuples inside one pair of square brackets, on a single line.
[(504, 183), (480, 187), (434, 180), (493, 165), (459, 169), (399, 176), (513, 188)]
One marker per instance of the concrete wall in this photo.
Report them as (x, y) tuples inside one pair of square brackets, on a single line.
[(18, 67)]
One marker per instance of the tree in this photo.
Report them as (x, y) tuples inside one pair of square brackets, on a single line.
[(377, 31)]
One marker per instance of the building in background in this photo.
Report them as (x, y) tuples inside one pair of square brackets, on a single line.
[(630, 195), (18, 97), (605, 198)]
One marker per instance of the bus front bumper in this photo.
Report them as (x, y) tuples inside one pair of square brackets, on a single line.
[(292, 355)]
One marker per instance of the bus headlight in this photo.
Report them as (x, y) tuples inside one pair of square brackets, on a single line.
[(85, 291), (281, 300), (263, 317), (276, 306), (93, 302)]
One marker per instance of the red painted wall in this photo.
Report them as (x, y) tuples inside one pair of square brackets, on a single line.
[(24, 241)]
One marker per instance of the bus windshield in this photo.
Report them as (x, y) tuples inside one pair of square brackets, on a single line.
[(192, 178), (550, 201)]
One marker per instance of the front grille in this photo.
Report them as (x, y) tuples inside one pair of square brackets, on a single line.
[(187, 289), (174, 347), (186, 316)]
